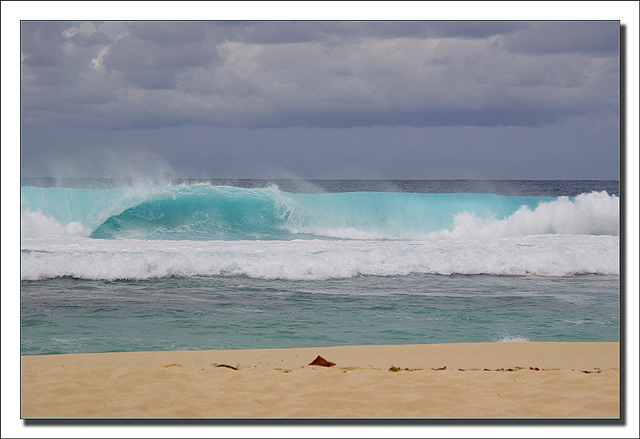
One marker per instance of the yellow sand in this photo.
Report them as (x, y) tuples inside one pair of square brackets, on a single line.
[(477, 380)]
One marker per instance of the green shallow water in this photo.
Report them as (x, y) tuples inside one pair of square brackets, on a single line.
[(71, 315)]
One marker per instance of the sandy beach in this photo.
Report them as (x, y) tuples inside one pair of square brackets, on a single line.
[(478, 380)]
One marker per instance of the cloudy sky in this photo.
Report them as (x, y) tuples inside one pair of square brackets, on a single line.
[(321, 99)]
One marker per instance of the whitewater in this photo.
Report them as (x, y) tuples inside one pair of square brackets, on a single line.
[(424, 262), (189, 230)]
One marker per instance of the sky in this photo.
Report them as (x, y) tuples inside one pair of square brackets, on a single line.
[(312, 99)]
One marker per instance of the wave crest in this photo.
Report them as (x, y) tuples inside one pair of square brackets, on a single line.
[(205, 212)]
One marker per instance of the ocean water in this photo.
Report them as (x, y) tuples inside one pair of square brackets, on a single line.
[(243, 264)]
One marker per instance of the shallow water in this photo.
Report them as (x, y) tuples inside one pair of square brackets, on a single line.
[(75, 315)]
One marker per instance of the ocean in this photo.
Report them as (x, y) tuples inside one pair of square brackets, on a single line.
[(123, 265)]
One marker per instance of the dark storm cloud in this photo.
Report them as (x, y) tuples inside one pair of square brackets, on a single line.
[(317, 74), (429, 118), (552, 37), (327, 31), (472, 29), (81, 39), (170, 32), (150, 64), (42, 41), (284, 32)]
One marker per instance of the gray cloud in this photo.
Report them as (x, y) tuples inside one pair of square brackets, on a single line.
[(340, 74), (577, 37), (170, 33), (473, 29), (42, 42), (152, 65), (333, 31)]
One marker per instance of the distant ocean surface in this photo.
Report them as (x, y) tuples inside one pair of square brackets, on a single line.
[(116, 265)]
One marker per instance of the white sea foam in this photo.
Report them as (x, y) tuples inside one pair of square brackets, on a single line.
[(35, 224), (540, 255), (508, 338), (596, 213)]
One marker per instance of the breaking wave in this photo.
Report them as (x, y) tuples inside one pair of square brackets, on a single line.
[(205, 230), (204, 212)]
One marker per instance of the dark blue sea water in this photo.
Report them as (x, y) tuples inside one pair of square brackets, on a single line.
[(235, 264)]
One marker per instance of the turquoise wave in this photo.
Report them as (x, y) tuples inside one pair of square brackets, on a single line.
[(205, 212)]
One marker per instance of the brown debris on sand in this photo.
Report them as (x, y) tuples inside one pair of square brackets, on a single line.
[(224, 365), (398, 369), (319, 361)]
